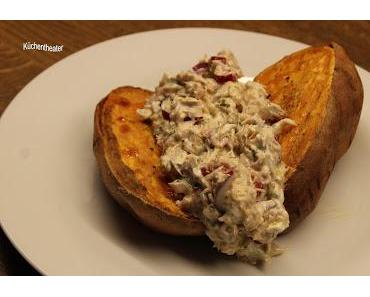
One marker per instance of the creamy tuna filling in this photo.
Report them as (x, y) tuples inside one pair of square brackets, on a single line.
[(219, 147)]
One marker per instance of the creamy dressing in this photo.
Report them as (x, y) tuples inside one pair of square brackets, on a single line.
[(219, 148)]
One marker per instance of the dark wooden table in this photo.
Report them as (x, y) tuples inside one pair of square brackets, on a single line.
[(18, 67)]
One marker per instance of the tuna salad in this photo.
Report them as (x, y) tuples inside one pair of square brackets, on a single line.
[(219, 150)]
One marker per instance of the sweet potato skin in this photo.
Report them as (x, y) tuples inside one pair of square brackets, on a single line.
[(123, 185), (332, 137)]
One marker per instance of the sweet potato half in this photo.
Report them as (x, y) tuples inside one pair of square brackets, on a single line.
[(318, 87)]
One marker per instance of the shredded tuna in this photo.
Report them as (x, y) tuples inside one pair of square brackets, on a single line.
[(220, 149)]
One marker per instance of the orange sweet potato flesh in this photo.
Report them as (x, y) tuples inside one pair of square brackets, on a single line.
[(128, 160), (318, 87)]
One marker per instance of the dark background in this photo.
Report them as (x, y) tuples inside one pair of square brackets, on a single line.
[(18, 67)]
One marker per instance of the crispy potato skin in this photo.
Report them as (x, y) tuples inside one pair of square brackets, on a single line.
[(332, 127), (121, 172), (326, 103)]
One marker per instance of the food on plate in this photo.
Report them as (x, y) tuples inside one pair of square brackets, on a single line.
[(205, 153)]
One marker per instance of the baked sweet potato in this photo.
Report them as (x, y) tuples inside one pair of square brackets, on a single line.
[(128, 160), (318, 87)]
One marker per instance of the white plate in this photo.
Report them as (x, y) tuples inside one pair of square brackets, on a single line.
[(56, 211)]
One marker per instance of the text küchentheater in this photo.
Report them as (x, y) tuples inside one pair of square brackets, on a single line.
[(42, 47)]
